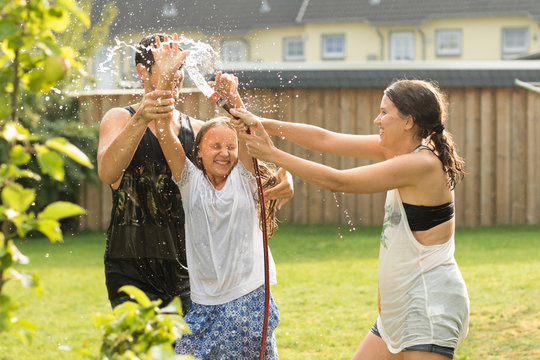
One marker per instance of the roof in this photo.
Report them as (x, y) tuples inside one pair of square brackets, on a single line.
[(229, 16), (219, 17), (381, 74), (400, 12)]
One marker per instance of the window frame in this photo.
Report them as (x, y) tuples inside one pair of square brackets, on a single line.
[(287, 56), (392, 44), (505, 50), (448, 52), (333, 55)]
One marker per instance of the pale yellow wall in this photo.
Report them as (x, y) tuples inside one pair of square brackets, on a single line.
[(361, 40), (481, 40), (267, 45), (481, 36)]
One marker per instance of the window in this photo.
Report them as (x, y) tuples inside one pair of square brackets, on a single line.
[(448, 42), (402, 45), (233, 51), (333, 47), (293, 49), (515, 41)]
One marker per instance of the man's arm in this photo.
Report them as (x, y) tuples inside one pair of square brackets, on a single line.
[(120, 134)]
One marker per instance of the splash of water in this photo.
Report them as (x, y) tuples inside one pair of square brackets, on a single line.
[(200, 59), (107, 64), (350, 223), (198, 63)]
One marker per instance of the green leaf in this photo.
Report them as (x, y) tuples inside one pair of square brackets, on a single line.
[(53, 69), (16, 254), (136, 294), (72, 6), (65, 147), (101, 319), (60, 209), (51, 163), (161, 352), (174, 307), (22, 323), (13, 171), (25, 329), (16, 197), (57, 19), (50, 228), (6, 308), (7, 49), (24, 173), (27, 280), (11, 254), (19, 156), (8, 28), (15, 132)]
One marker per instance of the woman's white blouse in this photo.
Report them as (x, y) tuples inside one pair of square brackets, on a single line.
[(224, 244)]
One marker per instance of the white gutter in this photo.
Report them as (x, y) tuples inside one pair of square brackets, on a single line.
[(382, 65), (302, 11)]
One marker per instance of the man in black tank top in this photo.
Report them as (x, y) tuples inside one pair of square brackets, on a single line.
[(145, 244)]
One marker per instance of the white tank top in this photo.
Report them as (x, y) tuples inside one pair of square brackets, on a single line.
[(224, 244), (422, 295)]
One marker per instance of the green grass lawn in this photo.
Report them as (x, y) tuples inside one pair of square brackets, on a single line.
[(326, 292)]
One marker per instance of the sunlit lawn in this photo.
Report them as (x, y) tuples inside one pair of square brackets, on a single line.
[(326, 292)]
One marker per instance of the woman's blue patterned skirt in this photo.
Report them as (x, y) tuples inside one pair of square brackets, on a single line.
[(230, 331)]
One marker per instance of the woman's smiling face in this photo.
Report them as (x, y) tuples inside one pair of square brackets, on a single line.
[(219, 153), (391, 123)]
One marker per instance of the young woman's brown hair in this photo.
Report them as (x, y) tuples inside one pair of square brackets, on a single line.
[(427, 105)]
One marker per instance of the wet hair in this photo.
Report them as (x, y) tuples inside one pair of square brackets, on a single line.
[(143, 54), (210, 124), (427, 106), (267, 172)]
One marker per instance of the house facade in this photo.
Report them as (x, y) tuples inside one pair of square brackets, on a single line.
[(336, 32)]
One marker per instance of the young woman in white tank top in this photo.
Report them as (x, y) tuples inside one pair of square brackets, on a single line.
[(423, 301)]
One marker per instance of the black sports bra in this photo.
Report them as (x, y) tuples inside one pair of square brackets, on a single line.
[(422, 217)]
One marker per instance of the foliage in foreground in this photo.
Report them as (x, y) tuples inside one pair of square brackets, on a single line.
[(140, 329), (31, 62)]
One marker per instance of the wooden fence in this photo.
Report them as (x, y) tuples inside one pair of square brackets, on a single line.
[(497, 131)]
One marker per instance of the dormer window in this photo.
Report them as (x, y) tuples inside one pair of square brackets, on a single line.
[(169, 10)]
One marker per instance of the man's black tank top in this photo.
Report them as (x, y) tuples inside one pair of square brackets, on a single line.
[(145, 239)]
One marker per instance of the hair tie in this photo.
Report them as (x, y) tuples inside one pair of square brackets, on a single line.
[(438, 129)]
